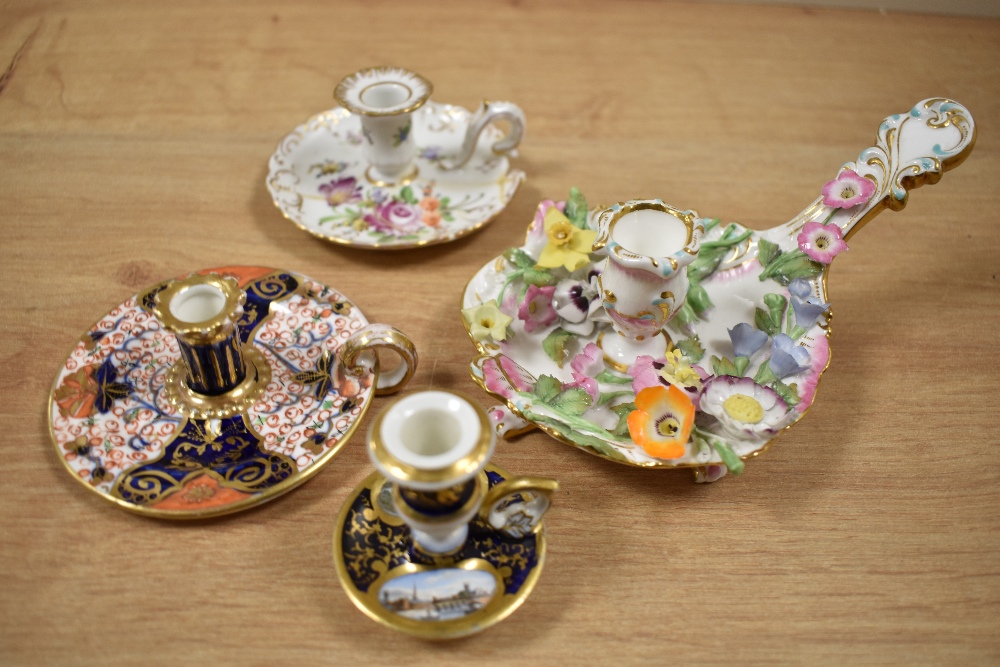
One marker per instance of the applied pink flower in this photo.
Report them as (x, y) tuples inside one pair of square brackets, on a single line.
[(590, 362), (536, 310), (537, 239), (847, 190), (821, 242), (589, 385), (586, 366), (643, 373)]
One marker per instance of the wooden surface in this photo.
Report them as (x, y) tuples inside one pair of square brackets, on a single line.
[(134, 140)]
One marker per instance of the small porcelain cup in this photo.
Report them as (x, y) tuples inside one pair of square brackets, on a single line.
[(644, 282), (385, 99), (433, 446)]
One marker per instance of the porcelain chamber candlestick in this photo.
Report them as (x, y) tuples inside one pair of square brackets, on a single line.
[(385, 99), (568, 325), (218, 391), (390, 168), (460, 541)]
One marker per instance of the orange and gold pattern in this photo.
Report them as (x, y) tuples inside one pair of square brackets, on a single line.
[(77, 393)]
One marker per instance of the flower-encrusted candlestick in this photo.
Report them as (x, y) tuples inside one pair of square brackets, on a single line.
[(216, 376)]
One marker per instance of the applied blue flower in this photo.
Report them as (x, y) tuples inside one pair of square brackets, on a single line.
[(807, 307), (746, 339), (787, 358)]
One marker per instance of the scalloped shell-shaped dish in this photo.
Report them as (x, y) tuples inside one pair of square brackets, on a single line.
[(773, 282)]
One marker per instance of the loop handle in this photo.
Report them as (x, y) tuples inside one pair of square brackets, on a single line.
[(515, 506), (487, 113), (382, 337)]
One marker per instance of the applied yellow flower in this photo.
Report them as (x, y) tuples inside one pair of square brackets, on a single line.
[(568, 245), (486, 321), (678, 371)]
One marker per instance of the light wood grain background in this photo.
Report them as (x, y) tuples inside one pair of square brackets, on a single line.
[(134, 139)]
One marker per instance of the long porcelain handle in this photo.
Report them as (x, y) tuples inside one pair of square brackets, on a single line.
[(489, 112), (911, 149), (382, 337)]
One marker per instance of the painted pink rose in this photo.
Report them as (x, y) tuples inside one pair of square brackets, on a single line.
[(395, 217), (847, 190), (536, 310), (821, 242)]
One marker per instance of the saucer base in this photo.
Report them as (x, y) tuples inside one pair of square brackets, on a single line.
[(320, 179), (421, 594)]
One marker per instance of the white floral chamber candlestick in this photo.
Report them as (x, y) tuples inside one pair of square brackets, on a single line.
[(649, 246), (747, 313), (392, 169), (460, 541)]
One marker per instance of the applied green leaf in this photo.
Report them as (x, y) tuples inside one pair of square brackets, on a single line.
[(554, 345), (573, 401), (776, 306), (791, 265), (686, 314), (612, 378), (546, 388), (723, 366), (539, 277), (788, 393), (698, 297), (623, 411), (519, 258), (605, 397), (767, 252), (576, 208), (764, 375), (728, 456), (692, 349), (762, 320)]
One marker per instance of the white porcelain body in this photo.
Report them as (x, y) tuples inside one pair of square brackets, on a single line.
[(432, 441), (644, 282), (445, 537), (388, 147)]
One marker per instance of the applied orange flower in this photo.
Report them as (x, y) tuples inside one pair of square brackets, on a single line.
[(661, 422)]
